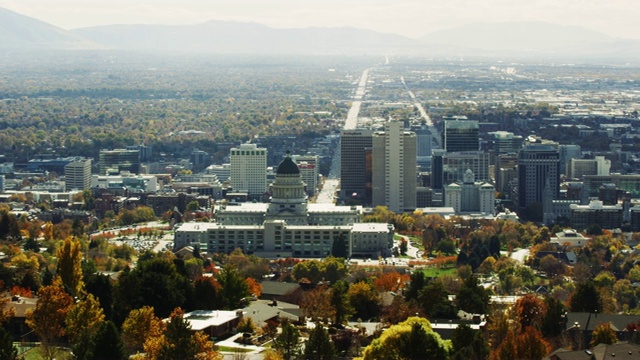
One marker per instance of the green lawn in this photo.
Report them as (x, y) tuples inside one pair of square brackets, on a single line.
[(34, 354), (233, 349), (434, 272)]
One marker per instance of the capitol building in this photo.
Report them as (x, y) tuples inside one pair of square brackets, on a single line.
[(287, 226)]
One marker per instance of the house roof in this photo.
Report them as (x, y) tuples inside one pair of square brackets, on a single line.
[(589, 321), (278, 288), (262, 310)]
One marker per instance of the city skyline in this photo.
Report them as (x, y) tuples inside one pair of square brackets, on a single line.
[(410, 18)]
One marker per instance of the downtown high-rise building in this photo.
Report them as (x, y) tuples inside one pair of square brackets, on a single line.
[(461, 135), (77, 175), (394, 177), (248, 170), (309, 171), (538, 173), (115, 161), (355, 165)]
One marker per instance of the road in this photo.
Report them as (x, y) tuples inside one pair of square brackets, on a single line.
[(352, 116), (423, 114), (327, 194)]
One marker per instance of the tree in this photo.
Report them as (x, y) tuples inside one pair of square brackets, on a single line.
[(319, 345), (207, 294), (154, 282), (138, 326), (339, 247), (288, 343), (316, 304), (7, 350), (585, 299), (419, 344), (554, 318), (70, 265), (48, 318), (531, 345), (82, 322), (340, 301), (552, 266), (176, 343), (364, 300), (530, 310), (391, 281), (399, 338), (108, 344), (472, 297), (468, 344), (234, 286), (434, 300), (603, 334)]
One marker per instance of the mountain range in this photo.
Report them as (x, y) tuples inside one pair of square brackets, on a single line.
[(223, 37)]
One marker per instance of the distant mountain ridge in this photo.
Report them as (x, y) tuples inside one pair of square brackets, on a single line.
[(22, 32), (235, 37), (522, 39)]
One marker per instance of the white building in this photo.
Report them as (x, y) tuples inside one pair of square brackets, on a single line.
[(394, 168), (133, 183), (77, 175), (581, 167), (288, 226), (248, 169), (470, 196), (309, 170), (569, 236)]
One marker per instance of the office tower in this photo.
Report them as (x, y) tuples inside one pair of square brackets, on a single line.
[(2, 186), (394, 168), (506, 170), (506, 142), (308, 165), (538, 167), (77, 175), (455, 165), (355, 165), (577, 168), (461, 135), (119, 160), (249, 170), (145, 151), (199, 159), (424, 139), (436, 168), (568, 152)]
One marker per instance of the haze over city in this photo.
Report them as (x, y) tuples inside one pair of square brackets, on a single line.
[(412, 18)]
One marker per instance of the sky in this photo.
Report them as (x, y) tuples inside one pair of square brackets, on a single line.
[(412, 18)]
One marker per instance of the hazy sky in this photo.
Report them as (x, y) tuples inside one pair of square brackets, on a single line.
[(414, 18)]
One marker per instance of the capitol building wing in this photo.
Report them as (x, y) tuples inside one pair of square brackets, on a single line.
[(287, 226)]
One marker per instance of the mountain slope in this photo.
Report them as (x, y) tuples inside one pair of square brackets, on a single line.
[(22, 32), (234, 37), (518, 36)]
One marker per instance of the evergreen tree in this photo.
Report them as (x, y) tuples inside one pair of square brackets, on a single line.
[(340, 301), (7, 350), (180, 344), (234, 286), (108, 344), (287, 344), (319, 345), (585, 298), (472, 297), (340, 247), (419, 344)]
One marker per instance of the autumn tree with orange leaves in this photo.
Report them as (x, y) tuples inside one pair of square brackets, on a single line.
[(48, 318), (392, 281)]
